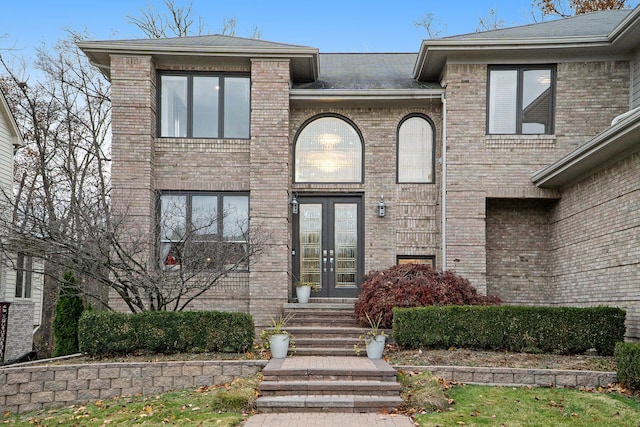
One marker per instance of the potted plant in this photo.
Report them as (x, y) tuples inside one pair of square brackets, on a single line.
[(276, 338), (303, 291), (374, 339)]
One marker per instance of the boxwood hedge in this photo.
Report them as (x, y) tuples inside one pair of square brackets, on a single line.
[(561, 330), (109, 333)]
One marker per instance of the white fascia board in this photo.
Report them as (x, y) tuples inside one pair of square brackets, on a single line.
[(372, 94)]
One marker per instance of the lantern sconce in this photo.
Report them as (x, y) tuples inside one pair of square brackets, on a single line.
[(381, 207), (294, 205)]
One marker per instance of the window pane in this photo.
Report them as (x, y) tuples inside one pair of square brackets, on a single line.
[(204, 215), (205, 107), (173, 218), (173, 122), (236, 217), (236, 107), (328, 150), (19, 275), (536, 102), (415, 151), (502, 101)]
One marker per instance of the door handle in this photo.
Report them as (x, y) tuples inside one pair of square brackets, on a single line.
[(330, 264), (324, 263)]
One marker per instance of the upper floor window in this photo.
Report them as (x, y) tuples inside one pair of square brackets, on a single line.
[(521, 100), (24, 273), (201, 105), (328, 149), (415, 150), (201, 231)]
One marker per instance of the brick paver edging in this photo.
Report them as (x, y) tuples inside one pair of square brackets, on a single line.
[(517, 376), (27, 388)]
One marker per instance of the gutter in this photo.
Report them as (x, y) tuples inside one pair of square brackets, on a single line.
[(444, 182), (370, 94)]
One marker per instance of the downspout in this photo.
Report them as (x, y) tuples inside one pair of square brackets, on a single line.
[(443, 228)]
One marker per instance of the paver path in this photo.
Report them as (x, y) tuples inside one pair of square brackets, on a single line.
[(323, 419)]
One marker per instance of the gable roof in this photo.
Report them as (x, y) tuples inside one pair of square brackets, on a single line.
[(12, 126), (304, 60), (611, 33)]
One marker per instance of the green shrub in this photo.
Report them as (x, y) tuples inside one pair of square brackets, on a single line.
[(65, 323), (561, 330), (627, 357), (109, 333), (413, 285)]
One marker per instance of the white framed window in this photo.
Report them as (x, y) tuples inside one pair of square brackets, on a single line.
[(415, 150), (203, 105), (24, 275), (328, 149), (521, 100), (203, 230)]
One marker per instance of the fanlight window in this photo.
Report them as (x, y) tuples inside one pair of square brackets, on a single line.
[(328, 149)]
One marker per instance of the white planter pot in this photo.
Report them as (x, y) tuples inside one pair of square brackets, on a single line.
[(375, 346), (303, 293), (279, 345)]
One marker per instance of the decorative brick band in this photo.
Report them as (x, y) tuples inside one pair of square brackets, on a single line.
[(30, 388), (517, 376)]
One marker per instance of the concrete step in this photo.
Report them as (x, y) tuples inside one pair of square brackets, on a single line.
[(325, 331), (316, 368), (314, 387), (335, 403), (336, 342), (327, 351)]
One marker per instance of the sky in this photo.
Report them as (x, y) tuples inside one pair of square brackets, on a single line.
[(329, 25)]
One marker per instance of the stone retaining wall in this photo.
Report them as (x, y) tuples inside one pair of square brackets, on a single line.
[(517, 376), (27, 388)]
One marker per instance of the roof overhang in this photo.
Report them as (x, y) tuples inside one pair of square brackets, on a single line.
[(434, 54), (14, 132), (304, 60), (616, 142)]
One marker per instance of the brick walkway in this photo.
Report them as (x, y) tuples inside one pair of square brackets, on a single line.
[(322, 419)]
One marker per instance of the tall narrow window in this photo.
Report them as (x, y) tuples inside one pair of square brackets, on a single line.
[(415, 150), (24, 272), (328, 149), (521, 100)]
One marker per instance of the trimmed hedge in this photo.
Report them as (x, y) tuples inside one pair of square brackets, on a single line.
[(627, 355), (109, 333), (560, 330)]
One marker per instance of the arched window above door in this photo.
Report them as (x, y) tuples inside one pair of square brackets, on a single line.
[(328, 149)]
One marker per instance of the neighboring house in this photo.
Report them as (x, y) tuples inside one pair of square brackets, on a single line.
[(492, 154), (20, 284)]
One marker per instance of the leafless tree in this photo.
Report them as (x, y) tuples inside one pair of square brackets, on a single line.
[(490, 22), (566, 8), (178, 21), (433, 28)]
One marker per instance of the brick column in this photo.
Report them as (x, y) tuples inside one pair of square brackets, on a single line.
[(269, 172), (133, 95)]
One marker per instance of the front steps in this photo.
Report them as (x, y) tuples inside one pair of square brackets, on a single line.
[(328, 384), (323, 328), (324, 375)]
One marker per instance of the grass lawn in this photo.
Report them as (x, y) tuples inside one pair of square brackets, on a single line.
[(522, 406), (215, 406)]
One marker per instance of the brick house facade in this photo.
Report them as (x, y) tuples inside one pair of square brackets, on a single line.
[(507, 185)]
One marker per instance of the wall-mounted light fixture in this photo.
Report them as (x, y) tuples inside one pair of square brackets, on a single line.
[(381, 207), (294, 205)]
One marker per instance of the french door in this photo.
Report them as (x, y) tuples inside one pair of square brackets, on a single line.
[(327, 245)]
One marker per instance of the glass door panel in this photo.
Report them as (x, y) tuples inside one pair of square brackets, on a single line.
[(346, 244), (311, 244)]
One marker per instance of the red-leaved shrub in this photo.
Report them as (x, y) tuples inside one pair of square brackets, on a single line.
[(413, 285)]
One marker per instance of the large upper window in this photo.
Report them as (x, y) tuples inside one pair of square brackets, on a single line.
[(199, 105), (204, 230), (328, 149), (415, 150), (521, 100)]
